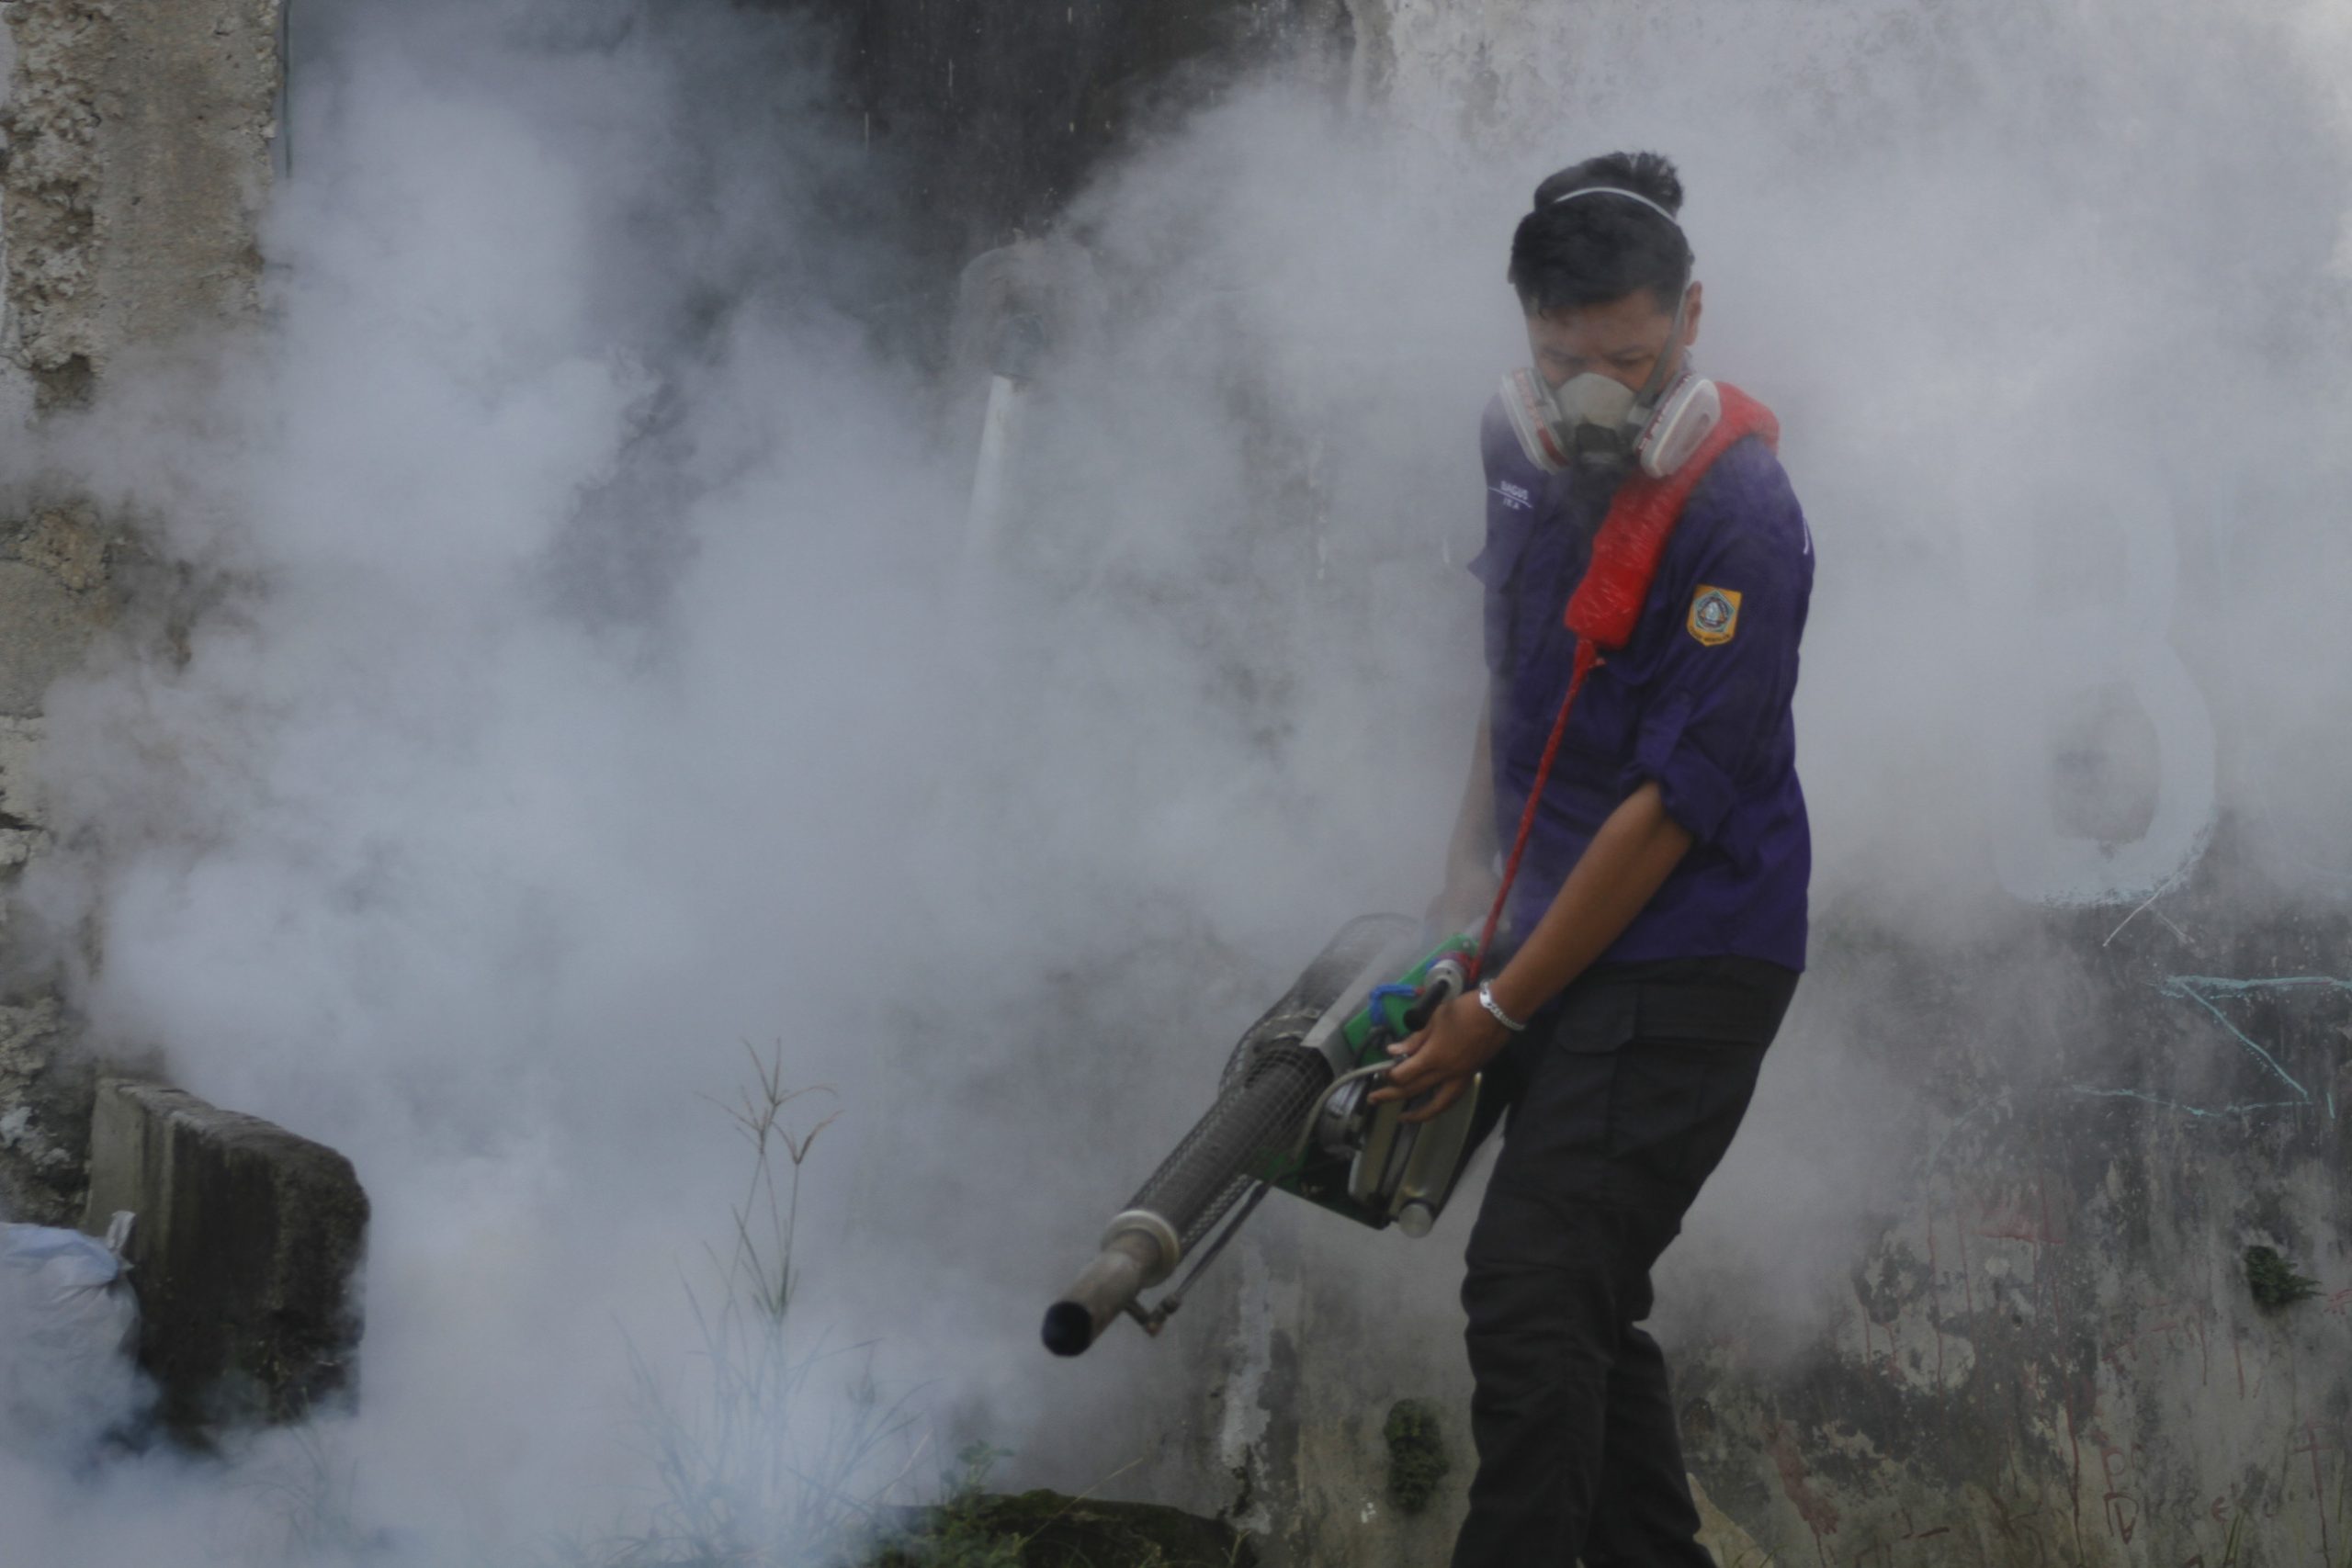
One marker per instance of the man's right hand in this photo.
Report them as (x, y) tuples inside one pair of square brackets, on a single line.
[(1440, 1060)]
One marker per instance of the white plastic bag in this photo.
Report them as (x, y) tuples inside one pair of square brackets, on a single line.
[(69, 1331)]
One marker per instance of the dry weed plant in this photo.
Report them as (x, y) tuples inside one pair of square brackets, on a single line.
[(779, 1454)]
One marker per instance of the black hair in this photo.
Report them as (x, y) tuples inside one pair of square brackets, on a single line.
[(1573, 254)]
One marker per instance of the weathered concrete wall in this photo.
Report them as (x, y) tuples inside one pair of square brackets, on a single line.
[(2049, 1349), (45, 1127), (139, 143), (243, 1252)]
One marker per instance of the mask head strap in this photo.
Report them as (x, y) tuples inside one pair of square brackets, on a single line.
[(1669, 358), (1616, 191)]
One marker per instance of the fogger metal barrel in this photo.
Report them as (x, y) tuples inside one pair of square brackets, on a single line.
[(1273, 1080)]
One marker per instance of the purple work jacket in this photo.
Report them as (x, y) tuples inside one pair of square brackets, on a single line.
[(1698, 700)]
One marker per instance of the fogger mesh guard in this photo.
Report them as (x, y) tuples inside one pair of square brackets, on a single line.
[(1271, 1083)]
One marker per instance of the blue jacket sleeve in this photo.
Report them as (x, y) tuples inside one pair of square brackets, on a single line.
[(1715, 723)]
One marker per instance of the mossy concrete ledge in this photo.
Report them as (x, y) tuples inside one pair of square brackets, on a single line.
[(244, 1253), (1047, 1530)]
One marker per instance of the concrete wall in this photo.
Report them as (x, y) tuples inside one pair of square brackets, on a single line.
[(139, 157), (2050, 1349)]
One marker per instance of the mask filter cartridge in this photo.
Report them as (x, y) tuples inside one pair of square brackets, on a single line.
[(1593, 420)]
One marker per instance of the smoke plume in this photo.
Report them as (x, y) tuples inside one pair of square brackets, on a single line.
[(571, 667)]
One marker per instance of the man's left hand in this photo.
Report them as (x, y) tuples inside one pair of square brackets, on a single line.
[(1440, 1060)]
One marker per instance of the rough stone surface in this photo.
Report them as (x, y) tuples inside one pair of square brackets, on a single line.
[(70, 543), (47, 631), (243, 1252), (139, 159), (20, 815), (44, 1116), (55, 599)]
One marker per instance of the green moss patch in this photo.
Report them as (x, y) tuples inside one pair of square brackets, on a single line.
[(2274, 1282), (1418, 1461)]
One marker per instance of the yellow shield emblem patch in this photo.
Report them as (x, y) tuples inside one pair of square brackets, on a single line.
[(1714, 614)]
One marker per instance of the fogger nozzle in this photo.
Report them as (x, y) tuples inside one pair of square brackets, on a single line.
[(1131, 1260)]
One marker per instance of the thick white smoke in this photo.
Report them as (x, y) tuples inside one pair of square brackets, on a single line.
[(583, 675)]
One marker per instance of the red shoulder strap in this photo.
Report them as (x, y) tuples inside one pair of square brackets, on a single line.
[(1641, 518), (1607, 603)]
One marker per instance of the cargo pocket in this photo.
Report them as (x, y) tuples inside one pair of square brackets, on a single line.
[(1675, 1104)]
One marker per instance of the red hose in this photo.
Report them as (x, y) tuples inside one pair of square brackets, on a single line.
[(1587, 657)]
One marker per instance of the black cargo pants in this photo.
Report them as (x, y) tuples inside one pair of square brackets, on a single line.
[(1621, 1102)]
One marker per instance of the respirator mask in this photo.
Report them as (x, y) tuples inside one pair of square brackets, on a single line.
[(1599, 425)]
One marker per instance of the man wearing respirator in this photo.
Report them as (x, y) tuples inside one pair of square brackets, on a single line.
[(1646, 573)]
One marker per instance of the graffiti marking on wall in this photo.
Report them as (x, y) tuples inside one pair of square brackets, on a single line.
[(2206, 992)]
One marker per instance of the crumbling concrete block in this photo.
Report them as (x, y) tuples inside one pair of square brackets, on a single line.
[(244, 1253)]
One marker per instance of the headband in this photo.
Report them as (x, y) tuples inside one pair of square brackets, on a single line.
[(1613, 190)]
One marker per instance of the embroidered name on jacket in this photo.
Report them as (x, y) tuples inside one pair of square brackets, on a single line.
[(1714, 614)]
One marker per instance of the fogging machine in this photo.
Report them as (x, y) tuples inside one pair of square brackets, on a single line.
[(1292, 1114)]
